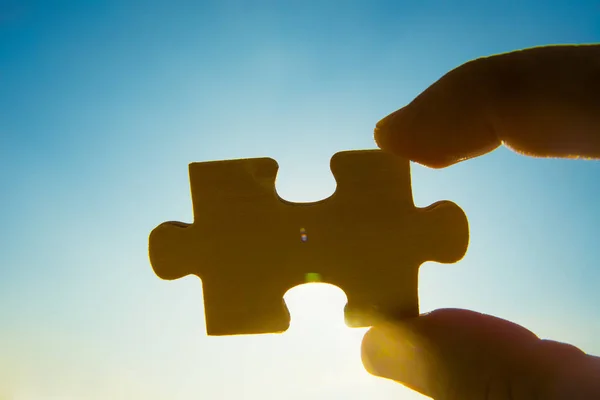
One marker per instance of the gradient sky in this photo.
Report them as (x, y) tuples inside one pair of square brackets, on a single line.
[(104, 104)]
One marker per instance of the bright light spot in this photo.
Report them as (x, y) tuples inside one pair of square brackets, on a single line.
[(319, 342), (317, 306)]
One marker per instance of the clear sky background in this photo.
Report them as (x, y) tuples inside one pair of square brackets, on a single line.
[(104, 104)]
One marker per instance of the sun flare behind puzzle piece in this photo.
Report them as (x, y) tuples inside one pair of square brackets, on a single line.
[(249, 246)]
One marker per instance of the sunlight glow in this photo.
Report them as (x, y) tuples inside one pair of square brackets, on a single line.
[(316, 306)]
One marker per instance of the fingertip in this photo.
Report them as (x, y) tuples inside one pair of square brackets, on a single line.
[(397, 142), (390, 352), (396, 134), (400, 134), (449, 122), (388, 140), (369, 351)]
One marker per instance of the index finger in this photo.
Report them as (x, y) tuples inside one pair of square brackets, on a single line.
[(542, 101)]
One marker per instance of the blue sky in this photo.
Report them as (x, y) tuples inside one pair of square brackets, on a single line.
[(104, 104)]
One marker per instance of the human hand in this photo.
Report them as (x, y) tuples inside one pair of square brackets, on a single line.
[(542, 102), (463, 355)]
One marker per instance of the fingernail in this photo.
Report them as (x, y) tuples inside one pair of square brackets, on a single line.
[(389, 353)]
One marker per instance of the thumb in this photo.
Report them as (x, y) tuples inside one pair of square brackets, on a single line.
[(453, 353)]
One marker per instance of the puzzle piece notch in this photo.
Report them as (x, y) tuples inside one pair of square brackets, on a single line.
[(245, 243)]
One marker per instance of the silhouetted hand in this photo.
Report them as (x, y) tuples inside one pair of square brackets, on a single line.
[(542, 102)]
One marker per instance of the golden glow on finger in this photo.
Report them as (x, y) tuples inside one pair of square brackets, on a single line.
[(326, 349)]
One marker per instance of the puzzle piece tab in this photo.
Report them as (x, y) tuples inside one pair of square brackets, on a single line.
[(249, 246)]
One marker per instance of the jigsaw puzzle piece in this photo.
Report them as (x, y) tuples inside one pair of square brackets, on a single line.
[(249, 246)]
